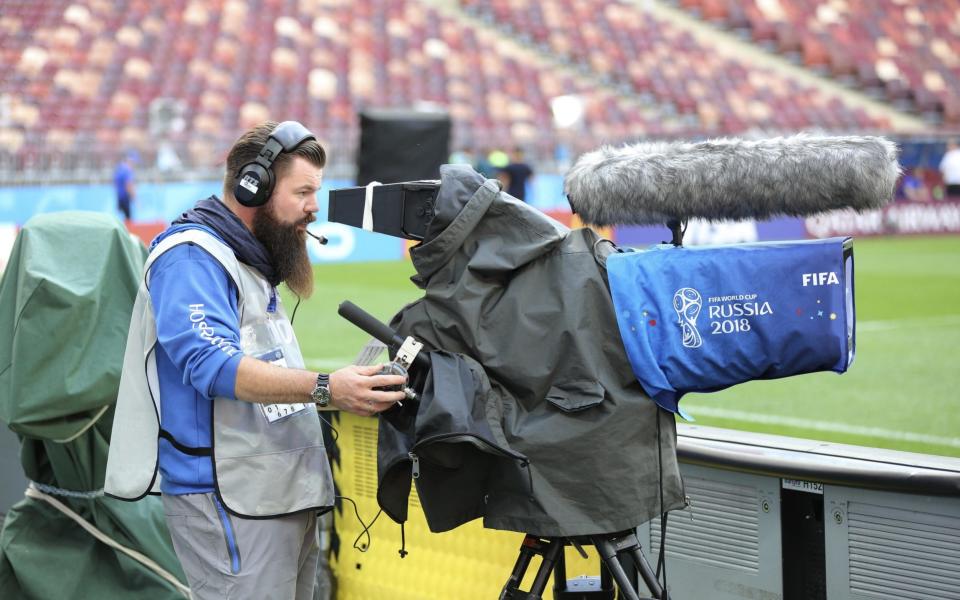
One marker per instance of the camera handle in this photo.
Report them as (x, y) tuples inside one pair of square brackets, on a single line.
[(407, 350)]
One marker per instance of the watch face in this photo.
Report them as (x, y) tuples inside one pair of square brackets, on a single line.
[(321, 395)]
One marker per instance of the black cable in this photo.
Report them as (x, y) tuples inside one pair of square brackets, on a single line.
[(294, 315), (661, 559), (366, 528), (333, 430), (403, 542)]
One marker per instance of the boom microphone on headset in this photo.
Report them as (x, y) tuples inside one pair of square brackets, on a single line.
[(321, 239), (657, 182)]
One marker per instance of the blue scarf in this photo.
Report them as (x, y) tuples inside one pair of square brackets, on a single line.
[(211, 212)]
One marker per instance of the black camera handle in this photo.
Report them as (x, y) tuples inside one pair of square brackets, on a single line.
[(367, 322)]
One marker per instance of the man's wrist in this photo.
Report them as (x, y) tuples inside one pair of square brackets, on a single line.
[(321, 391)]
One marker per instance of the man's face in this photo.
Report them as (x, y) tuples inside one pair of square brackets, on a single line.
[(281, 224)]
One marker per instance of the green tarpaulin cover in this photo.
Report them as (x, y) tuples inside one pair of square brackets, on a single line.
[(65, 302)]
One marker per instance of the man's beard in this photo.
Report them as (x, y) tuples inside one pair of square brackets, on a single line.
[(287, 248)]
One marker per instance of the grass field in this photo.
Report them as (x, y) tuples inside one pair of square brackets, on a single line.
[(902, 392)]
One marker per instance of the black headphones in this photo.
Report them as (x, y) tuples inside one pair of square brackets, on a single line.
[(255, 180)]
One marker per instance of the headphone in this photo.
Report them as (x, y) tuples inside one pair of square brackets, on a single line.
[(256, 179)]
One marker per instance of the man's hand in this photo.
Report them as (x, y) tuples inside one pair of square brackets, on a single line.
[(351, 390)]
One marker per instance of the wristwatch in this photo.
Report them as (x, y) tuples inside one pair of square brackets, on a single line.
[(321, 392)]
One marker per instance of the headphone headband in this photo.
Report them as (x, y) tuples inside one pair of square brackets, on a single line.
[(291, 134)]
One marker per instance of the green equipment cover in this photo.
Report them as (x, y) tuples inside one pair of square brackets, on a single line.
[(65, 303)]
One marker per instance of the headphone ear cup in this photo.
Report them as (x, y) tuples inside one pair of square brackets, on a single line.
[(254, 185)]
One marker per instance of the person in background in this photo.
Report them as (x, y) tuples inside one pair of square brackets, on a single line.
[(515, 175), (123, 183), (950, 169), (914, 187), (483, 164)]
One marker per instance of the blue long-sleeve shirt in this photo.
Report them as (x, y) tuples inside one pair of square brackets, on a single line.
[(197, 354)]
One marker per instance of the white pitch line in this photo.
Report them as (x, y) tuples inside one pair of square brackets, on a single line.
[(912, 323), (875, 432)]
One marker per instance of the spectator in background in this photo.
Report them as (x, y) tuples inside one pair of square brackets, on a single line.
[(123, 183), (484, 166), (950, 168), (498, 158), (914, 187), (515, 175)]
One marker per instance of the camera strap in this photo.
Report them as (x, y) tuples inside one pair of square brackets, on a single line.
[(368, 206)]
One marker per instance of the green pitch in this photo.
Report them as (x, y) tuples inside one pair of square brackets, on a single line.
[(902, 392)]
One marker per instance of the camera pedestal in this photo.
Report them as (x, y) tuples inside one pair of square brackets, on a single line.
[(612, 548)]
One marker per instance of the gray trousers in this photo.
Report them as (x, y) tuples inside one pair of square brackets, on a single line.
[(227, 557)]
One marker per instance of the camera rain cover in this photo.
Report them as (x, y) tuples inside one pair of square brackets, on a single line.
[(701, 319)]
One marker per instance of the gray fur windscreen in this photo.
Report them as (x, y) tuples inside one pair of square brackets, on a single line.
[(651, 183)]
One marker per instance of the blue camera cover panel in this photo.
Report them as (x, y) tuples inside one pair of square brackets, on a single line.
[(701, 319)]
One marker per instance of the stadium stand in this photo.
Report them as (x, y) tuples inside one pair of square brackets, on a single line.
[(83, 80), (908, 51), (658, 61), (84, 76)]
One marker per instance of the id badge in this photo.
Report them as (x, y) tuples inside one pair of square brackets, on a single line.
[(278, 412)]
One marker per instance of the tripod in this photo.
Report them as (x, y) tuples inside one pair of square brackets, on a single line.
[(611, 547)]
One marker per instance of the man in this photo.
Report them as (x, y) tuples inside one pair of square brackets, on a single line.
[(515, 174), (123, 183), (950, 168), (240, 451)]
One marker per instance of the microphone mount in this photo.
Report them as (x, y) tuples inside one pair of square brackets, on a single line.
[(677, 228)]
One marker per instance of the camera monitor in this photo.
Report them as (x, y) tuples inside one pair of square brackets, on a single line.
[(402, 210)]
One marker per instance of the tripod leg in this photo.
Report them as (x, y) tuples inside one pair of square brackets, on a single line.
[(608, 554), (519, 568), (553, 551), (549, 549), (648, 575), (560, 574)]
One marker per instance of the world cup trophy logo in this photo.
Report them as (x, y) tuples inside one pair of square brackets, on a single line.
[(687, 303)]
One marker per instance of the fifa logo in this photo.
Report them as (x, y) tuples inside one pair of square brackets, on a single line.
[(687, 302), (828, 278)]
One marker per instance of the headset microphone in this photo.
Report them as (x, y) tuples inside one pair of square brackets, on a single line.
[(323, 241)]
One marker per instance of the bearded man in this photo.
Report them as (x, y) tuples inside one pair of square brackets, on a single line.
[(214, 395)]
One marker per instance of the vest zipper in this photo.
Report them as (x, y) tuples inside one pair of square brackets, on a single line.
[(416, 464)]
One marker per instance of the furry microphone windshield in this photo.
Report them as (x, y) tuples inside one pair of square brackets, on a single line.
[(656, 182)]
